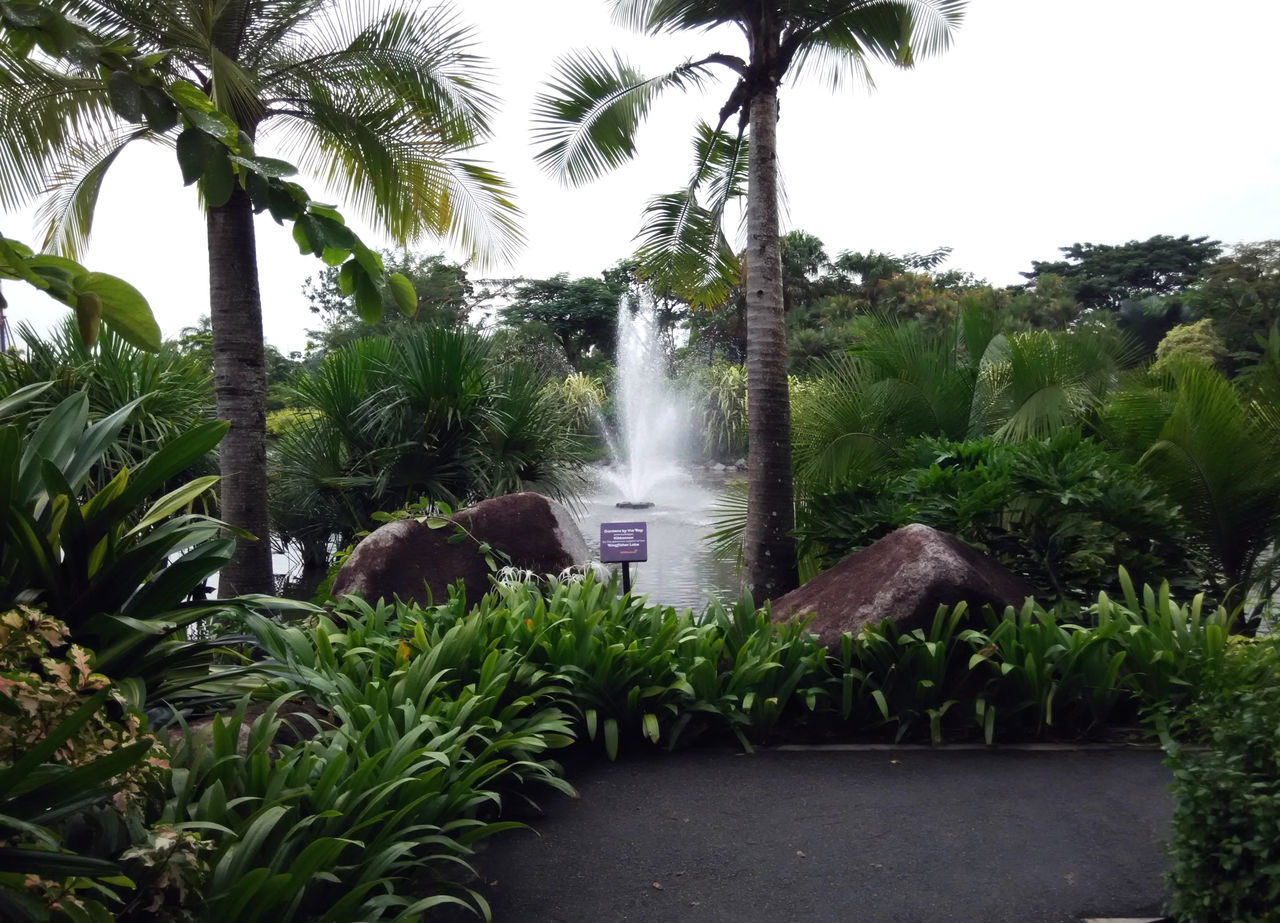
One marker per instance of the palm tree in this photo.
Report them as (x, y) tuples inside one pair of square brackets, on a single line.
[(380, 100), (588, 120)]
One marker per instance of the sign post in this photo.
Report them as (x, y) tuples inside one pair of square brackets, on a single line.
[(622, 543)]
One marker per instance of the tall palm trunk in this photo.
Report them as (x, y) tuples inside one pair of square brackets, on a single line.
[(239, 382), (769, 553)]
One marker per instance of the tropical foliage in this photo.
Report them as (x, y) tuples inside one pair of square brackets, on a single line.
[(384, 421), (1225, 859), (1062, 513), (170, 391), (379, 101), (587, 121)]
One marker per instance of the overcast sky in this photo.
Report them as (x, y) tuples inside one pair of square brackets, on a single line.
[(1049, 122)]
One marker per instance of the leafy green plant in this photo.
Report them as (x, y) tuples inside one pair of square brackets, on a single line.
[(396, 785), (175, 392), (426, 413), (1224, 853), (113, 565), (64, 758), (1064, 513)]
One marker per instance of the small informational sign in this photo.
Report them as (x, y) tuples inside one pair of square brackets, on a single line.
[(624, 542)]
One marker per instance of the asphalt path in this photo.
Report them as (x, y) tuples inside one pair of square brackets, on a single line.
[(910, 835)]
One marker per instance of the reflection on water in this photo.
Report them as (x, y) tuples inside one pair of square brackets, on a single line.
[(681, 571)]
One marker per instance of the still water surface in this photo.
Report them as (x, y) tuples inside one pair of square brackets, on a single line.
[(681, 571)]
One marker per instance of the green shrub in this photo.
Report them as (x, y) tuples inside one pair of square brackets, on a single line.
[(391, 791), (113, 564), (1064, 513), (1225, 847), (76, 774)]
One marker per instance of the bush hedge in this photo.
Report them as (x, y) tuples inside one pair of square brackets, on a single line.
[(1225, 848)]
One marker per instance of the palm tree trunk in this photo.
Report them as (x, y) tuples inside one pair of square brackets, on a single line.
[(239, 382), (769, 553)]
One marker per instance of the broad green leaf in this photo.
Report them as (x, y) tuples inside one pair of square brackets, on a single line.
[(189, 96), (14, 256), (265, 166), (195, 150), (334, 257), (347, 277), (218, 179), (125, 96), (402, 291), (173, 501), (309, 235), (214, 124), (368, 299), (158, 110), (124, 309)]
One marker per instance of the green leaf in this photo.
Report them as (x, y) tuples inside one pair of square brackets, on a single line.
[(51, 864), (347, 277), (218, 179), (189, 96), (368, 299), (334, 257), (195, 150), (651, 727), (611, 738), (124, 309), (265, 166), (125, 96), (173, 501), (309, 235), (334, 233), (158, 110), (402, 291), (214, 124)]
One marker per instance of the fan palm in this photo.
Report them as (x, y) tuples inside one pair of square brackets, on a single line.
[(388, 420), (588, 119), (380, 100), (171, 392)]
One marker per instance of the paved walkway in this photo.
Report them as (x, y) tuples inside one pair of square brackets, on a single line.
[(910, 835)]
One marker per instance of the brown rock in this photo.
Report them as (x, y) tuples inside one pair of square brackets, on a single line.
[(409, 560), (905, 576)]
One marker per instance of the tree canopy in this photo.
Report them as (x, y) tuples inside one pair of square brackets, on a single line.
[(1107, 275)]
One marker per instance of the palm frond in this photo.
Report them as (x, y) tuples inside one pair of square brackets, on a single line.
[(586, 119), (837, 40), (655, 17), (1219, 468), (47, 113), (66, 214), (682, 248), (838, 436)]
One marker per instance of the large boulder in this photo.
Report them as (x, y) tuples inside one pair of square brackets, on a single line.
[(409, 560), (905, 576)]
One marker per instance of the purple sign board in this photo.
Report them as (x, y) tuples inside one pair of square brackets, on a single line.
[(624, 541)]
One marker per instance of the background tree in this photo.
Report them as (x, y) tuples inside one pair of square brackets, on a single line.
[(582, 314), (1240, 293), (587, 122), (379, 100), (442, 290), (1107, 275)]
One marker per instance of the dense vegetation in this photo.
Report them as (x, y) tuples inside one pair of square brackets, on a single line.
[(1106, 430)]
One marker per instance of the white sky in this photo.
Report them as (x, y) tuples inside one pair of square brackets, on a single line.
[(1050, 121)]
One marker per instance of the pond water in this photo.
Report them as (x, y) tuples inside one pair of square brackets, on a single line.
[(681, 570)]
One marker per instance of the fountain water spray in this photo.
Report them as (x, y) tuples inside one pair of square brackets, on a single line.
[(652, 419)]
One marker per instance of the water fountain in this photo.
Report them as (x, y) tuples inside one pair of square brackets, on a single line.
[(653, 424), (649, 444)]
